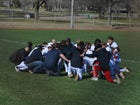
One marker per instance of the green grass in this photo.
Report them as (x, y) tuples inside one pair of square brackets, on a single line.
[(26, 89)]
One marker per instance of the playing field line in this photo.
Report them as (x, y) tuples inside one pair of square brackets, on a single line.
[(132, 61), (126, 60), (12, 41)]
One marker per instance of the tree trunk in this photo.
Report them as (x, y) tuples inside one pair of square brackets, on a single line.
[(109, 13), (36, 6), (100, 12)]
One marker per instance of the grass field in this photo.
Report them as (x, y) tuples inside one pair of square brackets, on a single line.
[(39, 89)]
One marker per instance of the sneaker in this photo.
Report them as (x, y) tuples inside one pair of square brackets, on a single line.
[(31, 72), (70, 76), (48, 72), (126, 70), (91, 72), (94, 79), (122, 75), (17, 69), (118, 81), (76, 78), (115, 80)]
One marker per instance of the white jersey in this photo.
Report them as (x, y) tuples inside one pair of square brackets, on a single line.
[(88, 59), (50, 44), (108, 49), (45, 50), (75, 45), (92, 47), (113, 45)]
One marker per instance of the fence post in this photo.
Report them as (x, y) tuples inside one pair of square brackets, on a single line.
[(72, 15)]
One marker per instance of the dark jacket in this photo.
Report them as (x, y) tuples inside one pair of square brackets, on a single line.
[(76, 59), (18, 56), (52, 59), (103, 57), (35, 56), (66, 50)]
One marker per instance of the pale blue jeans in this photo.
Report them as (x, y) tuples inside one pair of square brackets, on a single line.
[(77, 71)]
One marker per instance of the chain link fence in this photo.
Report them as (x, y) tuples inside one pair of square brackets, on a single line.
[(83, 19)]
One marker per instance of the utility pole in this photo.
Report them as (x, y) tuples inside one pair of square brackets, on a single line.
[(72, 15), (12, 12)]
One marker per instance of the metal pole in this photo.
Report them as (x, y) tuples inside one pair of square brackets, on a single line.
[(72, 14), (12, 14)]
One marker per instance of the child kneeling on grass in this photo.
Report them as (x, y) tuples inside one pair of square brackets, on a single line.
[(114, 64), (77, 61), (102, 63), (52, 60)]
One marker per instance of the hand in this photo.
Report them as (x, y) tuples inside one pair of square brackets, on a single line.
[(68, 61), (85, 50), (82, 55)]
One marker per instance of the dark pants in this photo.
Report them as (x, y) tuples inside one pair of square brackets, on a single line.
[(36, 66), (53, 73)]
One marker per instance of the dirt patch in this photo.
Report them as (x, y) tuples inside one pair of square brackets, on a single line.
[(54, 26)]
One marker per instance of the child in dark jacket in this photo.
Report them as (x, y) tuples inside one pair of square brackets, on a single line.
[(32, 62), (19, 55), (77, 61)]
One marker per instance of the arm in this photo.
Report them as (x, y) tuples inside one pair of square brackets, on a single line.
[(94, 54), (64, 58), (70, 53)]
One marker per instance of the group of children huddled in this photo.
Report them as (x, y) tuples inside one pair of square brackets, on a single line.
[(101, 60)]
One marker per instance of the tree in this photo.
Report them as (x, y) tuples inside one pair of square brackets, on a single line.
[(137, 6), (37, 4), (26, 4), (16, 3)]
